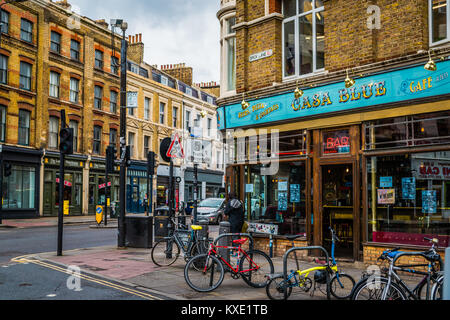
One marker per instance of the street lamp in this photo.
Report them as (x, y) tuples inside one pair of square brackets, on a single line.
[(119, 23)]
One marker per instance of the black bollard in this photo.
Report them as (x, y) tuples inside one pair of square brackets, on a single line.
[(224, 227)]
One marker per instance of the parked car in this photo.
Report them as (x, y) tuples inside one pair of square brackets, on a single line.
[(211, 210)]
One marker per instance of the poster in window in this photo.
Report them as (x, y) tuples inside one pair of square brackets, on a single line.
[(429, 201), (386, 196), (282, 185), (249, 188), (282, 201), (409, 188), (295, 193), (385, 182)]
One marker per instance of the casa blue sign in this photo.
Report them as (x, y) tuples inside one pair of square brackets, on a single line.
[(391, 87)]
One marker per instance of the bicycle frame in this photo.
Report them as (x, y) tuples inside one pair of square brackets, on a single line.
[(213, 250)]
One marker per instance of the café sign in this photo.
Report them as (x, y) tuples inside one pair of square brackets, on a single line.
[(391, 87)]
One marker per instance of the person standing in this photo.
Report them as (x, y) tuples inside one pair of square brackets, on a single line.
[(235, 213)]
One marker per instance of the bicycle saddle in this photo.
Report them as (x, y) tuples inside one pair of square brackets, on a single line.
[(292, 238), (196, 228), (240, 241)]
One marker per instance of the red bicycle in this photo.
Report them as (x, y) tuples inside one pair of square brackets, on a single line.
[(205, 272)]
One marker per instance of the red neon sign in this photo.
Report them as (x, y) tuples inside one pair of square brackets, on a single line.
[(336, 142)]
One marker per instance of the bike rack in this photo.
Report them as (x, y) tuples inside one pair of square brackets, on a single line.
[(285, 273)]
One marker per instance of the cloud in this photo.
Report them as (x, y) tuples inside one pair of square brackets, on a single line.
[(173, 31)]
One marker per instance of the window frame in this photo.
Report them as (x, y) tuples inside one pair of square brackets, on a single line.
[(113, 142), (4, 71), (26, 128), (226, 36), (55, 134), (115, 65), (3, 12), (97, 141), (113, 102), (147, 103), (161, 114), (26, 32), (73, 50), (26, 77), (99, 63), (3, 115), (54, 86), (98, 100), (57, 44), (76, 92), (174, 116), (146, 145), (430, 25), (75, 128), (313, 12)]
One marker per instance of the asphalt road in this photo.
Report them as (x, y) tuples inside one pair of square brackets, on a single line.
[(19, 242)]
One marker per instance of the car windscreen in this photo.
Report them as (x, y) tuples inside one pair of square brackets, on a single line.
[(211, 203)]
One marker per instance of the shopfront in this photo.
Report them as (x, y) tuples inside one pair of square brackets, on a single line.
[(372, 161), (73, 184), (99, 188), (21, 188)]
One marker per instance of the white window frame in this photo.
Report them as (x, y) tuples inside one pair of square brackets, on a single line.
[(225, 36), (54, 87), (296, 18), (147, 108), (162, 114), (430, 24)]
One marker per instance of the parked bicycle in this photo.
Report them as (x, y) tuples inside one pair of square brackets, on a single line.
[(390, 286), (251, 265), (167, 250), (341, 284)]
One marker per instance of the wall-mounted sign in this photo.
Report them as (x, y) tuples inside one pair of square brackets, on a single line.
[(132, 99), (261, 55), (391, 87), (335, 142)]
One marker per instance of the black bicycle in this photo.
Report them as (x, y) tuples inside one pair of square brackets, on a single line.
[(391, 287), (167, 250)]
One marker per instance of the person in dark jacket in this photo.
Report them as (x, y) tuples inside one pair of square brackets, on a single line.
[(235, 213)]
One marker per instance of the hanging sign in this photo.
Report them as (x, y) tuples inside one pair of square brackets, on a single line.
[(386, 196), (132, 99), (385, 182), (429, 201), (175, 149)]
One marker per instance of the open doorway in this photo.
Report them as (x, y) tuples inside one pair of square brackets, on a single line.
[(337, 203)]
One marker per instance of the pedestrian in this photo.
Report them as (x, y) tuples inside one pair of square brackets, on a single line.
[(235, 213)]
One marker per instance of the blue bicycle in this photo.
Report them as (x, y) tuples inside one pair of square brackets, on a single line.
[(341, 284)]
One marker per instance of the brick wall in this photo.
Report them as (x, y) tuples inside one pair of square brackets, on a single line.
[(371, 254), (280, 246)]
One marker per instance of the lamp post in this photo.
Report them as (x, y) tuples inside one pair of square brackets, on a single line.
[(123, 129)]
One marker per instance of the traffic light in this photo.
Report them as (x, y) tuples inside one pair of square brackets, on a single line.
[(127, 156), (151, 163), (8, 169), (66, 141), (111, 152)]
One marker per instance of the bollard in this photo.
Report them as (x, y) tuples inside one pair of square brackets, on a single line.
[(224, 227), (203, 234), (447, 275)]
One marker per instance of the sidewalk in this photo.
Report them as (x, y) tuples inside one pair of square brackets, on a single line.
[(134, 267)]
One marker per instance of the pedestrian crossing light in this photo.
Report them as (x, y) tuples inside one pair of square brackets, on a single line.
[(66, 144)]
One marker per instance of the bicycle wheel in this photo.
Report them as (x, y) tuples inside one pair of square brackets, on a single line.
[(437, 290), (422, 290), (277, 286), (373, 290), (200, 247), (207, 279), (342, 286), (260, 261), (160, 250)]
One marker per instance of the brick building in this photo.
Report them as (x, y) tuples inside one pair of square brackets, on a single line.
[(358, 127)]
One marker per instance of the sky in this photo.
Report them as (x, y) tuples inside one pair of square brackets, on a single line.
[(173, 31)]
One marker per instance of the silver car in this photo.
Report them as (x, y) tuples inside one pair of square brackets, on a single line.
[(211, 210)]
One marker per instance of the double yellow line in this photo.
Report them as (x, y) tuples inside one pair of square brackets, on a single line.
[(144, 295)]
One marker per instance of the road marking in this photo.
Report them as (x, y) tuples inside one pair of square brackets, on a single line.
[(26, 260)]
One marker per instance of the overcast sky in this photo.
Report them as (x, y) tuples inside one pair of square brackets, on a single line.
[(173, 31)]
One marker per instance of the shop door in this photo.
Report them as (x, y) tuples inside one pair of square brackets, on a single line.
[(338, 208), (48, 199)]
